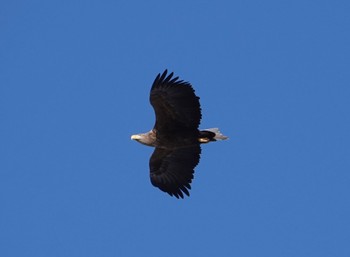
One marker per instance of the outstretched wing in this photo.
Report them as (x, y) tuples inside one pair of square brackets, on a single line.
[(175, 104), (172, 170)]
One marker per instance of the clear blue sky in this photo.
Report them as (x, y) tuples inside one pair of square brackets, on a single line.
[(74, 84)]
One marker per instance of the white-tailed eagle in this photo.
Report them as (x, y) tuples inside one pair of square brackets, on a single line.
[(175, 135)]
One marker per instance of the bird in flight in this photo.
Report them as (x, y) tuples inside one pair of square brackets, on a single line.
[(175, 135)]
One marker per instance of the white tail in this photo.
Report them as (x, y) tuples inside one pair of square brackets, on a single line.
[(218, 135)]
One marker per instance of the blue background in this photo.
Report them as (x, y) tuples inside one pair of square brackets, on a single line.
[(74, 85)]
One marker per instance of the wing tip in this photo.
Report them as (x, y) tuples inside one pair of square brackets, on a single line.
[(165, 78)]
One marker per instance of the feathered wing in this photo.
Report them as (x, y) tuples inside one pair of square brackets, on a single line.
[(172, 170), (176, 106)]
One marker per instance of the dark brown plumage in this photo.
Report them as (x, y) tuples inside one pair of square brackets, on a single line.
[(175, 135)]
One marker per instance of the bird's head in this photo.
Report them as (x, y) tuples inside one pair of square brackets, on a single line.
[(145, 138)]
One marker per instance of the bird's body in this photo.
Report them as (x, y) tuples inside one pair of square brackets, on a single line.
[(175, 135)]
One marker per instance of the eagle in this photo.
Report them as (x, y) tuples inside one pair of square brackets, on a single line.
[(175, 135)]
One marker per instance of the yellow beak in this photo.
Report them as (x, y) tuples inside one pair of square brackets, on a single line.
[(135, 137)]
